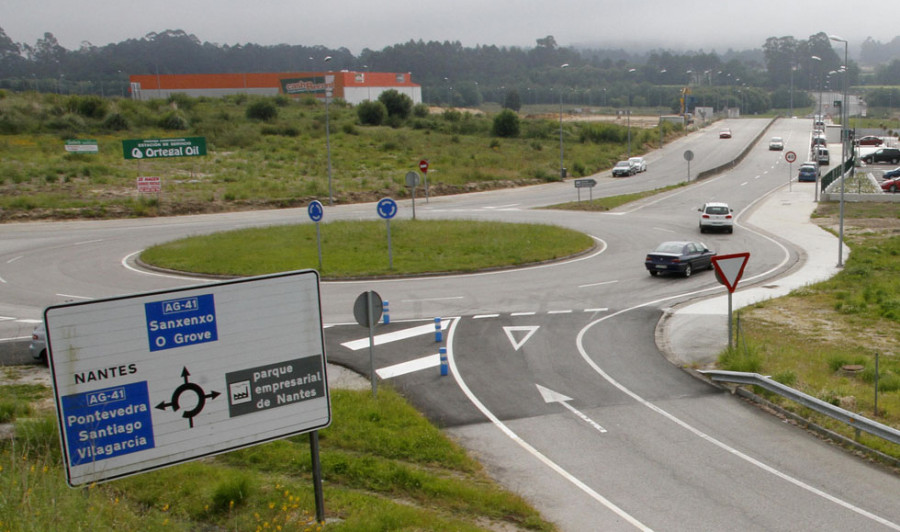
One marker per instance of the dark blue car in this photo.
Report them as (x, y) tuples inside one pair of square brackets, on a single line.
[(808, 172), (679, 257), (891, 174)]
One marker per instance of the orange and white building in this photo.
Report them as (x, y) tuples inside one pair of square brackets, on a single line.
[(352, 87)]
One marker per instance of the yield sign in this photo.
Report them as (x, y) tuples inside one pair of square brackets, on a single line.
[(528, 330), (730, 268)]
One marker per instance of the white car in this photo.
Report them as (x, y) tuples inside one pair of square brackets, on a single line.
[(777, 143), (716, 215), (639, 164)]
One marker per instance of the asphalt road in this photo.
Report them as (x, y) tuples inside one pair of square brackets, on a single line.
[(555, 380)]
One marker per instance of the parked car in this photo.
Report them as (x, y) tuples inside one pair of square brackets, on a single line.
[(682, 257), (716, 215), (882, 155), (725, 133), (776, 143), (891, 185), (38, 345), (822, 156), (809, 171), (819, 140), (890, 174), (623, 168), (639, 164), (869, 140)]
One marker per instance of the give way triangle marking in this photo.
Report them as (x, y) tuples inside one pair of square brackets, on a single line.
[(529, 330)]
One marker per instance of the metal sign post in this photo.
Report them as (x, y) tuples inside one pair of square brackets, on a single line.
[(423, 166), (729, 269), (367, 310), (790, 157), (316, 212), (412, 180), (387, 209), (688, 156), (588, 184)]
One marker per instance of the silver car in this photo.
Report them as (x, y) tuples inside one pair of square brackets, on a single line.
[(38, 345)]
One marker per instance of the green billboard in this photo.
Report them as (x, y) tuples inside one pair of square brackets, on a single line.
[(159, 148)]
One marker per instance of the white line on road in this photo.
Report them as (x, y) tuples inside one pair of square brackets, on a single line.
[(409, 366), (379, 339), (596, 284)]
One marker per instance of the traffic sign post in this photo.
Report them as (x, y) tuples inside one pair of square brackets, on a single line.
[(412, 181), (688, 156), (316, 212), (729, 269), (387, 209), (423, 167), (367, 310), (149, 380), (790, 157), (588, 184)]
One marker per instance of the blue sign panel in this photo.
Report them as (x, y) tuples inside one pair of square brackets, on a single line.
[(315, 211), (387, 208), (181, 322), (105, 423)]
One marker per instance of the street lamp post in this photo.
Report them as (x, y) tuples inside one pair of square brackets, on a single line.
[(819, 60), (328, 136), (562, 168), (628, 114), (844, 119)]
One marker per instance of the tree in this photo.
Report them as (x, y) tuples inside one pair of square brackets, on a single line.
[(512, 100), (397, 104), (506, 124), (263, 110)]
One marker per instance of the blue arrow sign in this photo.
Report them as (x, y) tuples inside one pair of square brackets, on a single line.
[(316, 211), (387, 208)]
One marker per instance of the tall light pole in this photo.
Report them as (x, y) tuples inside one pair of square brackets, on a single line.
[(628, 113), (844, 135), (819, 60), (562, 168), (328, 136)]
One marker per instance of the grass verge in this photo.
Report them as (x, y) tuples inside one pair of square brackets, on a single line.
[(807, 339)]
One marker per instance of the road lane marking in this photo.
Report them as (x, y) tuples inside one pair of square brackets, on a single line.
[(484, 316), (385, 338), (551, 396), (529, 330), (409, 366), (596, 284)]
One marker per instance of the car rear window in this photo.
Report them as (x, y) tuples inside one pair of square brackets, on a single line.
[(670, 247), (717, 210)]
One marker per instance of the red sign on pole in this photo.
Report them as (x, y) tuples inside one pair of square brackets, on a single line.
[(423, 166), (730, 268), (790, 156)]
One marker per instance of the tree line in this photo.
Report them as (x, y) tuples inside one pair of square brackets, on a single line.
[(452, 74)]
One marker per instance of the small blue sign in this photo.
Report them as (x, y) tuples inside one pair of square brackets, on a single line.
[(316, 211), (106, 423), (181, 322), (387, 208)]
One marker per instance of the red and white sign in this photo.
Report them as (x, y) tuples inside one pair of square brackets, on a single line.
[(790, 156), (730, 268), (423, 166), (148, 184)]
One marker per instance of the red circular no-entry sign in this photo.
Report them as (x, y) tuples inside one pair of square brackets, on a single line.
[(790, 156), (423, 166)]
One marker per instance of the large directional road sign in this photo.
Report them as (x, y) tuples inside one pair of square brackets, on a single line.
[(149, 380)]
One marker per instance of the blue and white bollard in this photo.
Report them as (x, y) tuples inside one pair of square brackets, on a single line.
[(386, 312), (445, 368), (438, 337)]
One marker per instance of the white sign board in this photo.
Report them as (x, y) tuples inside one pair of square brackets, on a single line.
[(150, 380)]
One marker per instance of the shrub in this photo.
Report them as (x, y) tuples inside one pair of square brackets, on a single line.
[(115, 122), (506, 124), (420, 110), (263, 110), (89, 106), (371, 113), (174, 120), (397, 104)]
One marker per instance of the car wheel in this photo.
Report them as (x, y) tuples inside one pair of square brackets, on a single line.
[(894, 160), (687, 270), (653, 273), (893, 189), (702, 229), (730, 230)]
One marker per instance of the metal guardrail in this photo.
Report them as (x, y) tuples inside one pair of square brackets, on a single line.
[(854, 420)]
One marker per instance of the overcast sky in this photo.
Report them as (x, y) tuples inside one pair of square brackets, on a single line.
[(710, 25)]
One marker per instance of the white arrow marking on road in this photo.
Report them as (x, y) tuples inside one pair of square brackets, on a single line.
[(555, 397), (517, 344)]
